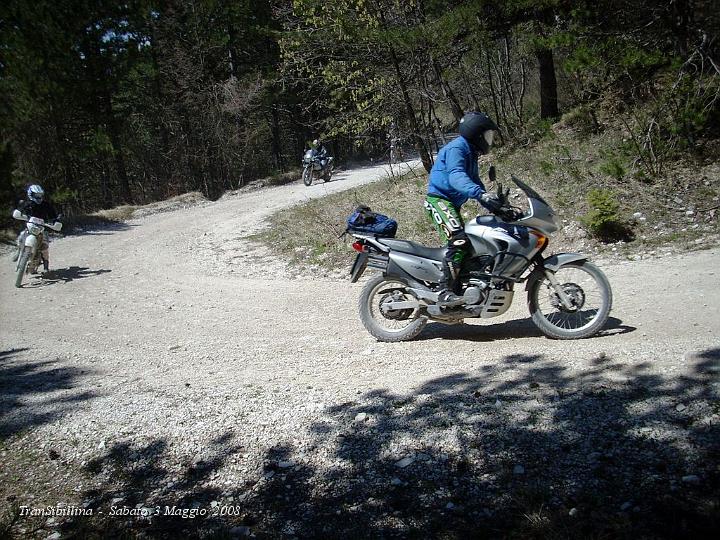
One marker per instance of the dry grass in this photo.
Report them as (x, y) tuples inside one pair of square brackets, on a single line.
[(310, 233)]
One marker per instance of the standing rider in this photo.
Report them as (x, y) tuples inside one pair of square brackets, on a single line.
[(37, 206), (453, 180)]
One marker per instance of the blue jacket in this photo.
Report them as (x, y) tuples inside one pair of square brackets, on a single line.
[(454, 175)]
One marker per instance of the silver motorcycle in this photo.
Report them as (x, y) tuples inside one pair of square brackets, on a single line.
[(316, 165), (568, 296), (32, 245)]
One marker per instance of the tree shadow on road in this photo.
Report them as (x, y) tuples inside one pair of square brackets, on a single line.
[(33, 393), (94, 226), (525, 448)]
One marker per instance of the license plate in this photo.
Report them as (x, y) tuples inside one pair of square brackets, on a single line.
[(358, 267)]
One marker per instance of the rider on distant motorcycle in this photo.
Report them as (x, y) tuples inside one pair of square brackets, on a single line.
[(321, 151), (37, 206), (454, 179)]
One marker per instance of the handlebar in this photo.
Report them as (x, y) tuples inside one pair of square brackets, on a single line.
[(55, 226)]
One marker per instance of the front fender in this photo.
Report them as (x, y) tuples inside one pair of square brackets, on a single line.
[(553, 264), (31, 241)]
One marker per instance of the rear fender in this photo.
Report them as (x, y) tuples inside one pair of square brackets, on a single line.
[(552, 264)]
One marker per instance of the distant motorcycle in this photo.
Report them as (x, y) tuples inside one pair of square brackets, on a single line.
[(316, 165), (32, 242), (568, 296)]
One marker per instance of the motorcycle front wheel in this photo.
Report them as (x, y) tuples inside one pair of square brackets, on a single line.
[(389, 325), (307, 176), (589, 292), (21, 266)]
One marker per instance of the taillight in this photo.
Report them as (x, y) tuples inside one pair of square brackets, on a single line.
[(358, 246)]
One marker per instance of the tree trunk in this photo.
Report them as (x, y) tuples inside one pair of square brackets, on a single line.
[(419, 144), (493, 93), (447, 91), (275, 129), (114, 134), (548, 84)]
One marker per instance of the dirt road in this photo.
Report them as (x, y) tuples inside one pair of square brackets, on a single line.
[(174, 328)]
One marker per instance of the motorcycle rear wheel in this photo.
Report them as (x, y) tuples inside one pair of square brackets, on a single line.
[(587, 287), (21, 267), (307, 176), (392, 326)]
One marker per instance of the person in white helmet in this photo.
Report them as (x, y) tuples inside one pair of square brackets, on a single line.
[(37, 206)]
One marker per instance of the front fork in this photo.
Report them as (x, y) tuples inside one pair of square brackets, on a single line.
[(564, 298), (36, 244)]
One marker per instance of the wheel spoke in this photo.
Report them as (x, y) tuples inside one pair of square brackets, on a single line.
[(585, 292), (386, 292)]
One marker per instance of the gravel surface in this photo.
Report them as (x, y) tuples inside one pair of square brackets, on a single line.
[(170, 363)]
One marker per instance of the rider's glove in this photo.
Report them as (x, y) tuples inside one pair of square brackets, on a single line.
[(490, 201)]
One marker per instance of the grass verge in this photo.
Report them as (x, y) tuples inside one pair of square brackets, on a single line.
[(678, 209)]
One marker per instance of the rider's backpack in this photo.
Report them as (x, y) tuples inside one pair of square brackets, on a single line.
[(365, 221)]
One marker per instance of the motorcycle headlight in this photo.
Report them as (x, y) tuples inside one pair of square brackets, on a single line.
[(34, 229)]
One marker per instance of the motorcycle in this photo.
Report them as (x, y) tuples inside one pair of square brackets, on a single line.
[(31, 245), (568, 296), (316, 165)]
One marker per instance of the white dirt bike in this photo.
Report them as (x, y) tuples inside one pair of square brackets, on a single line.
[(32, 243)]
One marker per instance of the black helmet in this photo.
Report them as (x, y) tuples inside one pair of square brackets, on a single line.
[(479, 129)]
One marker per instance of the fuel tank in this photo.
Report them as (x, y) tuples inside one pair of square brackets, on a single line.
[(511, 246)]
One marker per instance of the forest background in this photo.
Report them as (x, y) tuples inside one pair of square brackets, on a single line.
[(107, 103)]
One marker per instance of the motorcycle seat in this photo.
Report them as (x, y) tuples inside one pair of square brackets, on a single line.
[(413, 248)]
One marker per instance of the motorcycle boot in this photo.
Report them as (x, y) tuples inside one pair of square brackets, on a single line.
[(448, 295)]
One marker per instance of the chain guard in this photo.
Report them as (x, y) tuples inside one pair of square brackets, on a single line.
[(394, 314)]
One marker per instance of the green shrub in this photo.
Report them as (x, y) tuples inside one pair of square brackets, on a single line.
[(613, 167), (64, 195), (546, 167), (604, 221), (583, 120), (538, 129)]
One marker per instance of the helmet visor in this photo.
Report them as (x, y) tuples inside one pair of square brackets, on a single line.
[(489, 135)]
